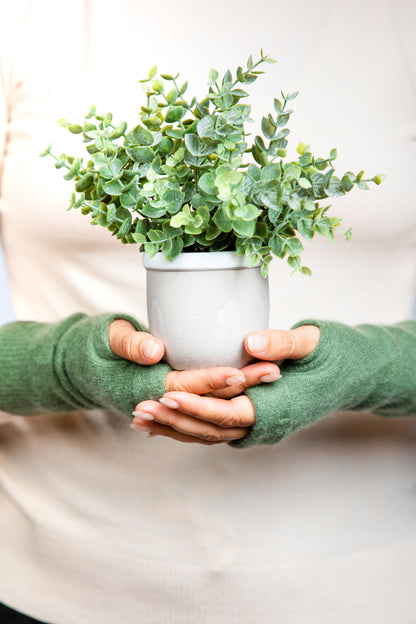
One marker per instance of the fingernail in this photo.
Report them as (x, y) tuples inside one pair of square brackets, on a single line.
[(257, 342), (235, 380), (138, 427), (144, 415), (149, 349), (169, 402), (270, 377)]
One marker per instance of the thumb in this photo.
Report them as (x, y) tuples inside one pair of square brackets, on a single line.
[(279, 344), (130, 344)]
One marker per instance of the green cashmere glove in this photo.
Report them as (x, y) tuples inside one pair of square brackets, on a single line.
[(366, 368), (65, 366)]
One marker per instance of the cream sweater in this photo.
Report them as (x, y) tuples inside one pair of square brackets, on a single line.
[(100, 524)]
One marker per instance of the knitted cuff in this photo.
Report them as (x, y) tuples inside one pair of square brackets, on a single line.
[(58, 367), (351, 368)]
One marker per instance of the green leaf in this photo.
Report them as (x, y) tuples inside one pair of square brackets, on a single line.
[(111, 213), (293, 246), (321, 164), (227, 78), (138, 238), (304, 183), (271, 173), (174, 200), (195, 226), (239, 93), (212, 232), (172, 248), (333, 154), (118, 132), (306, 271), (379, 179), (268, 128), (205, 127), (129, 200), (74, 170), (213, 75), (139, 136), (153, 211), (197, 147), (278, 106), (111, 170), (268, 197), (222, 221), (207, 185), (155, 235), (347, 183), (240, 74), (277, 245), (174, 113), (151, 249), (152, 72), (75, 128), (248, 212), (323, 226), (226, 175), (294, 202), (243, 227), (292, 171), (282, 120), (318, 186), (172, 96), (294, 262), (264, 269), (183, 88), (141, 154), (125, 227), (176, 133), (165, 146), (258, 141), (114, 187), (305, 229), (84, 182), (335, 188), (306, 159)]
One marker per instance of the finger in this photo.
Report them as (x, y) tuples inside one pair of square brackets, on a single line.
[(260, 372), (181, 423), (278, 344), (201, 381), (236, 412), (130, 344), (156, 429)]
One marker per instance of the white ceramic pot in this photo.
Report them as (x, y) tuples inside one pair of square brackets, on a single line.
[(203, 304)]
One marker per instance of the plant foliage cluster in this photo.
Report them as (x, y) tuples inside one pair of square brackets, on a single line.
[(186, 179)]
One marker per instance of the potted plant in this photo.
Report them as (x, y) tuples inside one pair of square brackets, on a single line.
[(186, 185)]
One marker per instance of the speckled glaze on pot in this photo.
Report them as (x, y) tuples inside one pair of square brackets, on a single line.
[(203, 304)]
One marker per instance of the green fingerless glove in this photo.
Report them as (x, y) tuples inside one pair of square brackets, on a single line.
[(65, 366), (364, 368)]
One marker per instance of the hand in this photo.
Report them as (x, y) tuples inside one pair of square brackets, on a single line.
[(130, 344), (184, 415)]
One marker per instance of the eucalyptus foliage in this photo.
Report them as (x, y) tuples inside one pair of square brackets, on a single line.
[(186, 179)]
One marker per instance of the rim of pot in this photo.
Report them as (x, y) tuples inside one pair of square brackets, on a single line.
[(197, 261)]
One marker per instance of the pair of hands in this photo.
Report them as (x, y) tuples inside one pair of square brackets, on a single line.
[(207, 406)]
